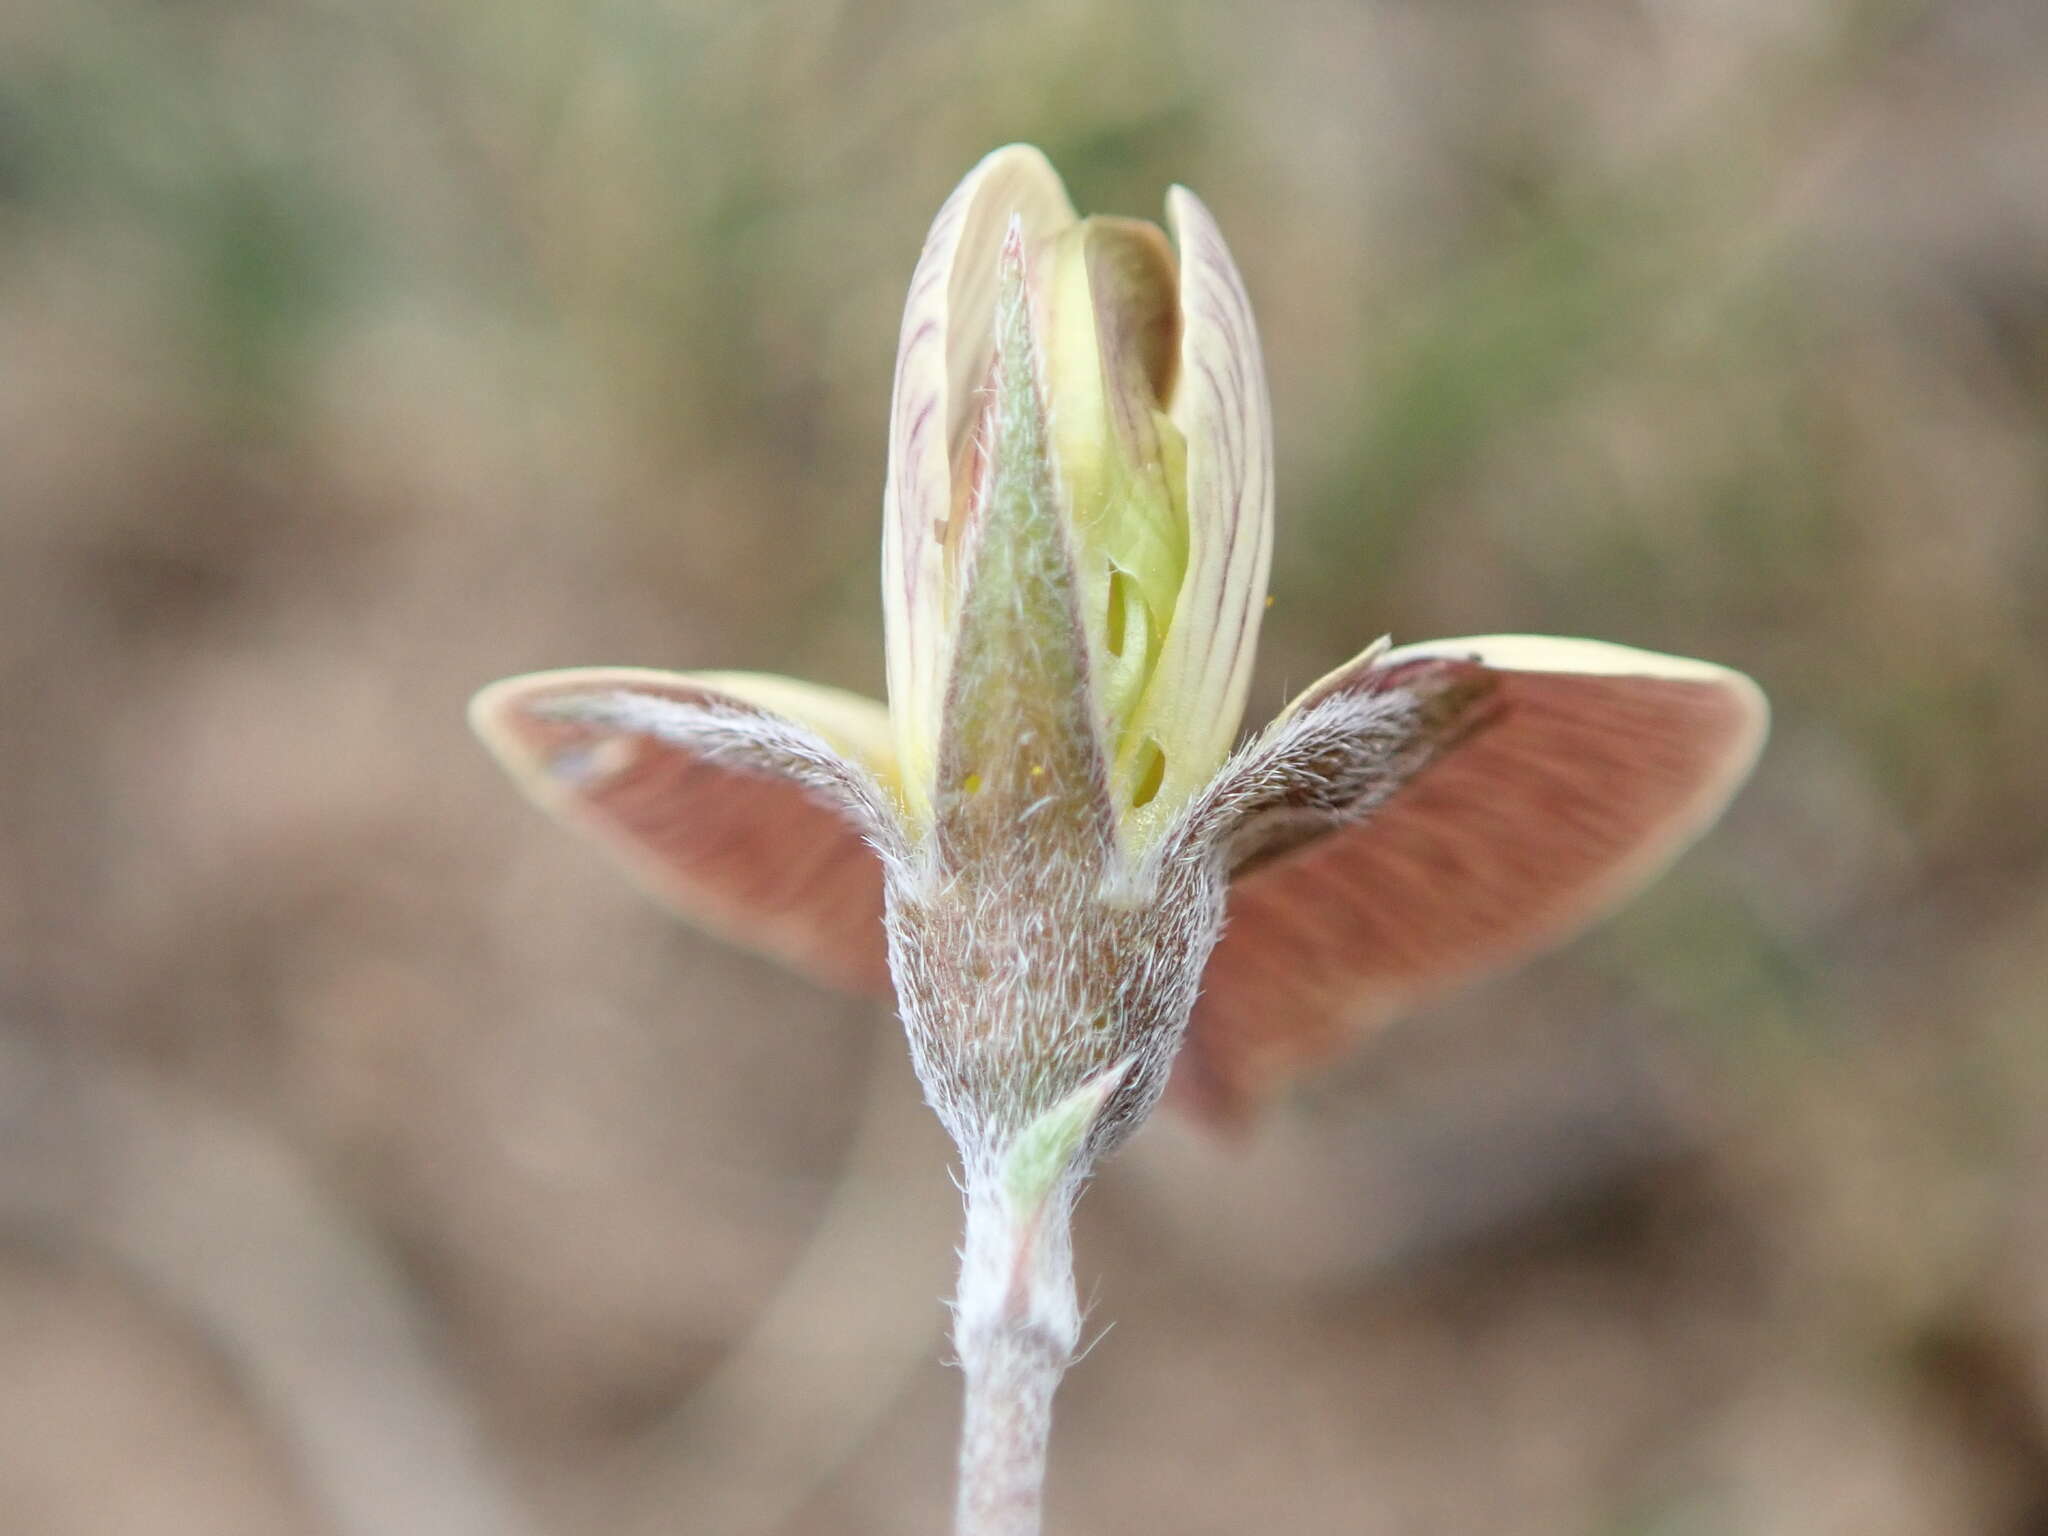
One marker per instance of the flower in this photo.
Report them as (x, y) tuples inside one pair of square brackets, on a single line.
[(1040, 839), (1037, 844), (1079, 439)]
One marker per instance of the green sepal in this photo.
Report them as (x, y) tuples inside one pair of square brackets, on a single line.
[(1044, 1150)]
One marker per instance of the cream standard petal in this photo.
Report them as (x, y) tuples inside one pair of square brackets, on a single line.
[(942, 362), (703, 821), (1598, 764), (1195, 701)]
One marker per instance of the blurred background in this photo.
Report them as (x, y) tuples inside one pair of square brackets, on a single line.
[(372, 1160)]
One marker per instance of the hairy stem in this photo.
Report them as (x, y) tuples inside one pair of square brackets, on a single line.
[(1015, 1326)]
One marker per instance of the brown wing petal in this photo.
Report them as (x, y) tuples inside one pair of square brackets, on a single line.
[(757, 857), (1599, 765)]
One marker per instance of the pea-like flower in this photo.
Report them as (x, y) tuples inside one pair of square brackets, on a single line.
[(1084, 897)]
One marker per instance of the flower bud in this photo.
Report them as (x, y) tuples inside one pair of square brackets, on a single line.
[(1078, 513)]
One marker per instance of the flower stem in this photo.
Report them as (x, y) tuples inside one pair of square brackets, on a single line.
[(1015, 1326)]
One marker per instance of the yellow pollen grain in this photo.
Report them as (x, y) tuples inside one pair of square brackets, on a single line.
[(972, 784)]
